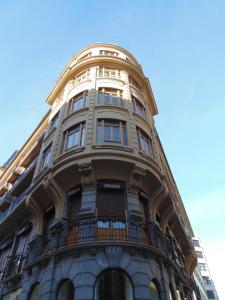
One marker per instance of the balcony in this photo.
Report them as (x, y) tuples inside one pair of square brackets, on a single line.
[(13, 266), (98, 231)]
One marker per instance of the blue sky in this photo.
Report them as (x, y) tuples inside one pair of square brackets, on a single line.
[(181, 47)]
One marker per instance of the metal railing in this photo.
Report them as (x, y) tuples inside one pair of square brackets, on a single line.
[(13, 265)]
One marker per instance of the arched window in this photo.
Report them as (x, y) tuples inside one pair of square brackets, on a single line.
[(171, 293), (113, 284), (154, 291), (66, 290), (35, 292)]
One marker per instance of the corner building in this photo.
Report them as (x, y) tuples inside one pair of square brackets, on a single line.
[(89, 207)]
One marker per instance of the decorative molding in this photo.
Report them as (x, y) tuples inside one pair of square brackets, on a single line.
[(113, 254), (87, 177)]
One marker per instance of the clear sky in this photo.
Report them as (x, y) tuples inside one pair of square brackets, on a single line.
[(181, 47)]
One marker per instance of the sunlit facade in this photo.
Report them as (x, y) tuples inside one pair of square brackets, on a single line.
[(89, 208)]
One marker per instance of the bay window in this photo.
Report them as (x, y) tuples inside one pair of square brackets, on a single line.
[(110, 97), (79, 101), (144, 142), (111, 131), (74, 137)]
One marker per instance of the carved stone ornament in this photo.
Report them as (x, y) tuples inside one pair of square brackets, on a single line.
[(135, 181), (113, 255), (87, 176)]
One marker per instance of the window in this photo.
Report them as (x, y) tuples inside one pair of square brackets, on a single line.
[(49, 216), (46, 156), (35, 292), (133, 82), (66, 290), (202, 267), (110, 97), (154, 291), (107, 52), (54, 121), (74, 137), (206, 280), (138, 107), (107, 72), (111, 131), (210, 294), (78, 102), (82, 76), (113, 284), (199, 254), (196, 243), (144, 142)]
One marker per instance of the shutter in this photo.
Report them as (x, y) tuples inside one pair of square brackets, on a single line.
[(110, 203), (74, 207)]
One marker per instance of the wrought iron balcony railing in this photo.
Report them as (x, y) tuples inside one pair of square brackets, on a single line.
[(13, 265)]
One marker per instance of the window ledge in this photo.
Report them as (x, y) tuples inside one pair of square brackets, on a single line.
[(146, 156), (111, 78), (72, 114), (69, 152), (112, 146), (110, 106), (50, 133)]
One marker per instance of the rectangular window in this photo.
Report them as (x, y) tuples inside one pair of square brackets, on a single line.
[(82, 76), (107, 52), (78, 102), (202, 267), (206, 280), (133, 82), (144, 142), (54, 121), (110, 97), (210, 294), (74, 137), (111, 131), (46, 157), (138, 107), (107, 72), (199, 254)]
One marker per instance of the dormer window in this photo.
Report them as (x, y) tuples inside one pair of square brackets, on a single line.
[(107, 52)]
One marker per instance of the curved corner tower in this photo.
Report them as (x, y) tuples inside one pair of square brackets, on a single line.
[(90, 209)]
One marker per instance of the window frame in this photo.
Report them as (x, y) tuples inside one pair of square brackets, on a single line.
[(138, 107), (142, 136), (46, 156), (71, 131), (134, 83), (83, 95), (102, 123), (102, 72), (112, 93)]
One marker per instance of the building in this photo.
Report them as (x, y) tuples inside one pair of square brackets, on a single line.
[(89, 207), (204, 277)]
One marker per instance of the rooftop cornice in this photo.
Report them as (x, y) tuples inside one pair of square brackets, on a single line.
[(101, 59), (25, 148)]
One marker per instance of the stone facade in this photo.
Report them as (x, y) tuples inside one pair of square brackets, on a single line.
[(98, 139)]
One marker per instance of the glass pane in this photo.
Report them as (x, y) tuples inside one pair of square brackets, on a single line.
[(82, 136), (69, 141), (99, 134), (114, 99), (118, 225), (76, 138), (107, 135), (116, 134), (100, 98), (124, 136), (106, 73), (107, 98), (103, 224)]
